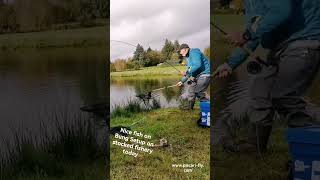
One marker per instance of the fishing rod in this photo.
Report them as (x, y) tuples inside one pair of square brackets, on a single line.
[(253, 67), (147, 95), (166, 87), (219, 29), (124, 43), (173, 66)]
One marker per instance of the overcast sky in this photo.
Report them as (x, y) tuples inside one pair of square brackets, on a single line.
[(150, 22)]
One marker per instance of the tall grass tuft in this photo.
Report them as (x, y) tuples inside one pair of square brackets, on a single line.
[(134, 106), (66, 141)]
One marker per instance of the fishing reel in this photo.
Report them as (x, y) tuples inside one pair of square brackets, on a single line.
[(255, 67), (190, 80)]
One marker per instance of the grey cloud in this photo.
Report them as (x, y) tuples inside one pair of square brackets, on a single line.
[(150, 22)]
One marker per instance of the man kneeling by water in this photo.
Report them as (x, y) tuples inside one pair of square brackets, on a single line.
[(196, 78)]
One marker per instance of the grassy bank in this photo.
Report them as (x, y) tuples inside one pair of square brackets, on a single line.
[(150, 71), (188, 144), (83, 37)]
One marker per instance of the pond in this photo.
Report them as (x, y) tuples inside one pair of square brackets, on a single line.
[(38, 85), (123, 89)]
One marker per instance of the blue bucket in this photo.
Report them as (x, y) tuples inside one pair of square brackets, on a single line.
[(205, 113), (304, 147)]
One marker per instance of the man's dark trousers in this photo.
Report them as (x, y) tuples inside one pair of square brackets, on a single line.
[(281, 87)]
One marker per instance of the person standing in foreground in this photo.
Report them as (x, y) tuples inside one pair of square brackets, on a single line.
[(290, 29), (196, 78)]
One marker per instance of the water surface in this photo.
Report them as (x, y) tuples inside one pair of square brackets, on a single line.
[(124, 89), (37, 85)]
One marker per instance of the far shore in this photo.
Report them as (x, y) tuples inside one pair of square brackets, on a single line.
[(80, 37), (150, 71)]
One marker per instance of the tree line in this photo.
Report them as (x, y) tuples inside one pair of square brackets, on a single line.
[(37, 15), (149, 57)]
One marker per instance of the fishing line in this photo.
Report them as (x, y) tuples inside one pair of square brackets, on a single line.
[(148, 94), (117, 129), (260, 153), (124, 42), (253, 67)]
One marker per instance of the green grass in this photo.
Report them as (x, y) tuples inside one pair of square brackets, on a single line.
[(245, 166), (83, 37), (265, 166), (150, 71), (188, 144)]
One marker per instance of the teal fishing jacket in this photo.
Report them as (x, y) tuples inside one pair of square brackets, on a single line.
[(197, 63), (273, 23)]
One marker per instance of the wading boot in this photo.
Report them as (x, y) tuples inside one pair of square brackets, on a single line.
[(191, 104), (186, 105), (183, 104)]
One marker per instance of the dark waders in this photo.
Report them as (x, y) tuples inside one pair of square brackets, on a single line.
[(280, 88), (277, 88)]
